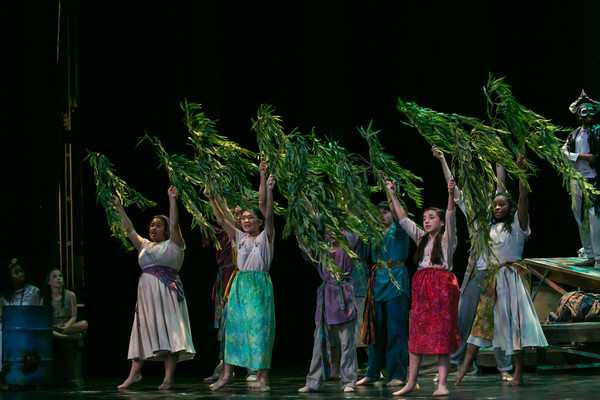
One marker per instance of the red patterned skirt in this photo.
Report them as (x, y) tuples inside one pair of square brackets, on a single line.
[(434, 312)]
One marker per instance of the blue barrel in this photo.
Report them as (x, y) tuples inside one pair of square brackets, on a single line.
[(27, 345)]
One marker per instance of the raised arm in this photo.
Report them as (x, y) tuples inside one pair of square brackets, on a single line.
[(523, 204), (501, 176), (174, 230), (392, 190), (225, 210), (132, 235), (219, 216), (451, 191), (262, 190), (268, 213), (437, 153), (310, 209)]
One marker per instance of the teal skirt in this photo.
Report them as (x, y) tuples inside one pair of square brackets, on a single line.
[(250, 321)]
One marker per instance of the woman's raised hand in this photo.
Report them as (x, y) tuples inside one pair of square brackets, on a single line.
[(173, 192), (391, 187), (437, 153), (451, 185), (521, 163), (262, 167), (271, 182)]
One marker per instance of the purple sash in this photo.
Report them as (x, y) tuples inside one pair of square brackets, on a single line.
[(168, 276)]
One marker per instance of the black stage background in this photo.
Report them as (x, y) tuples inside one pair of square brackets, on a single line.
[(329, 66)]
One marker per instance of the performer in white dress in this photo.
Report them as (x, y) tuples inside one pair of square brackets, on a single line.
[(161, 326)]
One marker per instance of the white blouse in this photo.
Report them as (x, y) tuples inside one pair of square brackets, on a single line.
[(165, 253), (448, 240), (508, 247), (253, 253)]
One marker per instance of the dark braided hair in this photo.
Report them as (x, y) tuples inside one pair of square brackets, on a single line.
[(510, 215)]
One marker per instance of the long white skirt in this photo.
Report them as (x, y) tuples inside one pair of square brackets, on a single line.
[(516, 324), (161, 325)]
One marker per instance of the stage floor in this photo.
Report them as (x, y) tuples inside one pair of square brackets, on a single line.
[(285, 385)]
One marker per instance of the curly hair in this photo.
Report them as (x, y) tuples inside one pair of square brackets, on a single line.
[(6, 283)]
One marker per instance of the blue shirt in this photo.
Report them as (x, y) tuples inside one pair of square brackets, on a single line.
[(396, 242), (360, 272)]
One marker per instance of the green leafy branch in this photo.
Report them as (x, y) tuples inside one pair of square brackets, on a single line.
[(108, 185)]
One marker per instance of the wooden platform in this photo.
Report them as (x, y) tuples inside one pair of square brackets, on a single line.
[(579, 332), (571, 345), (563, 271)]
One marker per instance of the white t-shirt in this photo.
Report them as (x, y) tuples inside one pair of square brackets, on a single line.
[(253, 253)]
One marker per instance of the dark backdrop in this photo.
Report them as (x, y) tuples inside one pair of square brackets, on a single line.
[(329, 66)]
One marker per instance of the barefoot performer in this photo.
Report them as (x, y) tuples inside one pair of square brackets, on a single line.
[(506, 317), (472, 284), (434, 293), (161, 326), (250, 311)]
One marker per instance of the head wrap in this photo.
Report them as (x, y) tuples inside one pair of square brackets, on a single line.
[(583, 102), (167, 223)]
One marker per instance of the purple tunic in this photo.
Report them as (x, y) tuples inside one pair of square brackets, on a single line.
[(336, 293)]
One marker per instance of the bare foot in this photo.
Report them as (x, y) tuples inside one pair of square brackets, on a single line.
[(515, 382), (364, 381), (395, 382), (461, 374), (407, 389), (130, 381), (166, 385), (260, 386), (212, 378), (505, 376), (75, 336), (441, 391), (218, 385)]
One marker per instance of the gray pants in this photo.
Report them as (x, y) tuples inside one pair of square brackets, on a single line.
[(340, 335), (467, 310), (590, 234)]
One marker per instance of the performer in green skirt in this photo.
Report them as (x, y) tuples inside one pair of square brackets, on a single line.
[(249, 329)]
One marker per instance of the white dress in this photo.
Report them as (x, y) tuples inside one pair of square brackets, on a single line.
[(516, 324), (161, 325)]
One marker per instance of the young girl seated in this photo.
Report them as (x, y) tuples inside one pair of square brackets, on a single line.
[(64, 303), (434, 293), (15, 290)]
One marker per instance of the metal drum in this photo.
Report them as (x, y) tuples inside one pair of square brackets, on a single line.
[(27, 345)]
